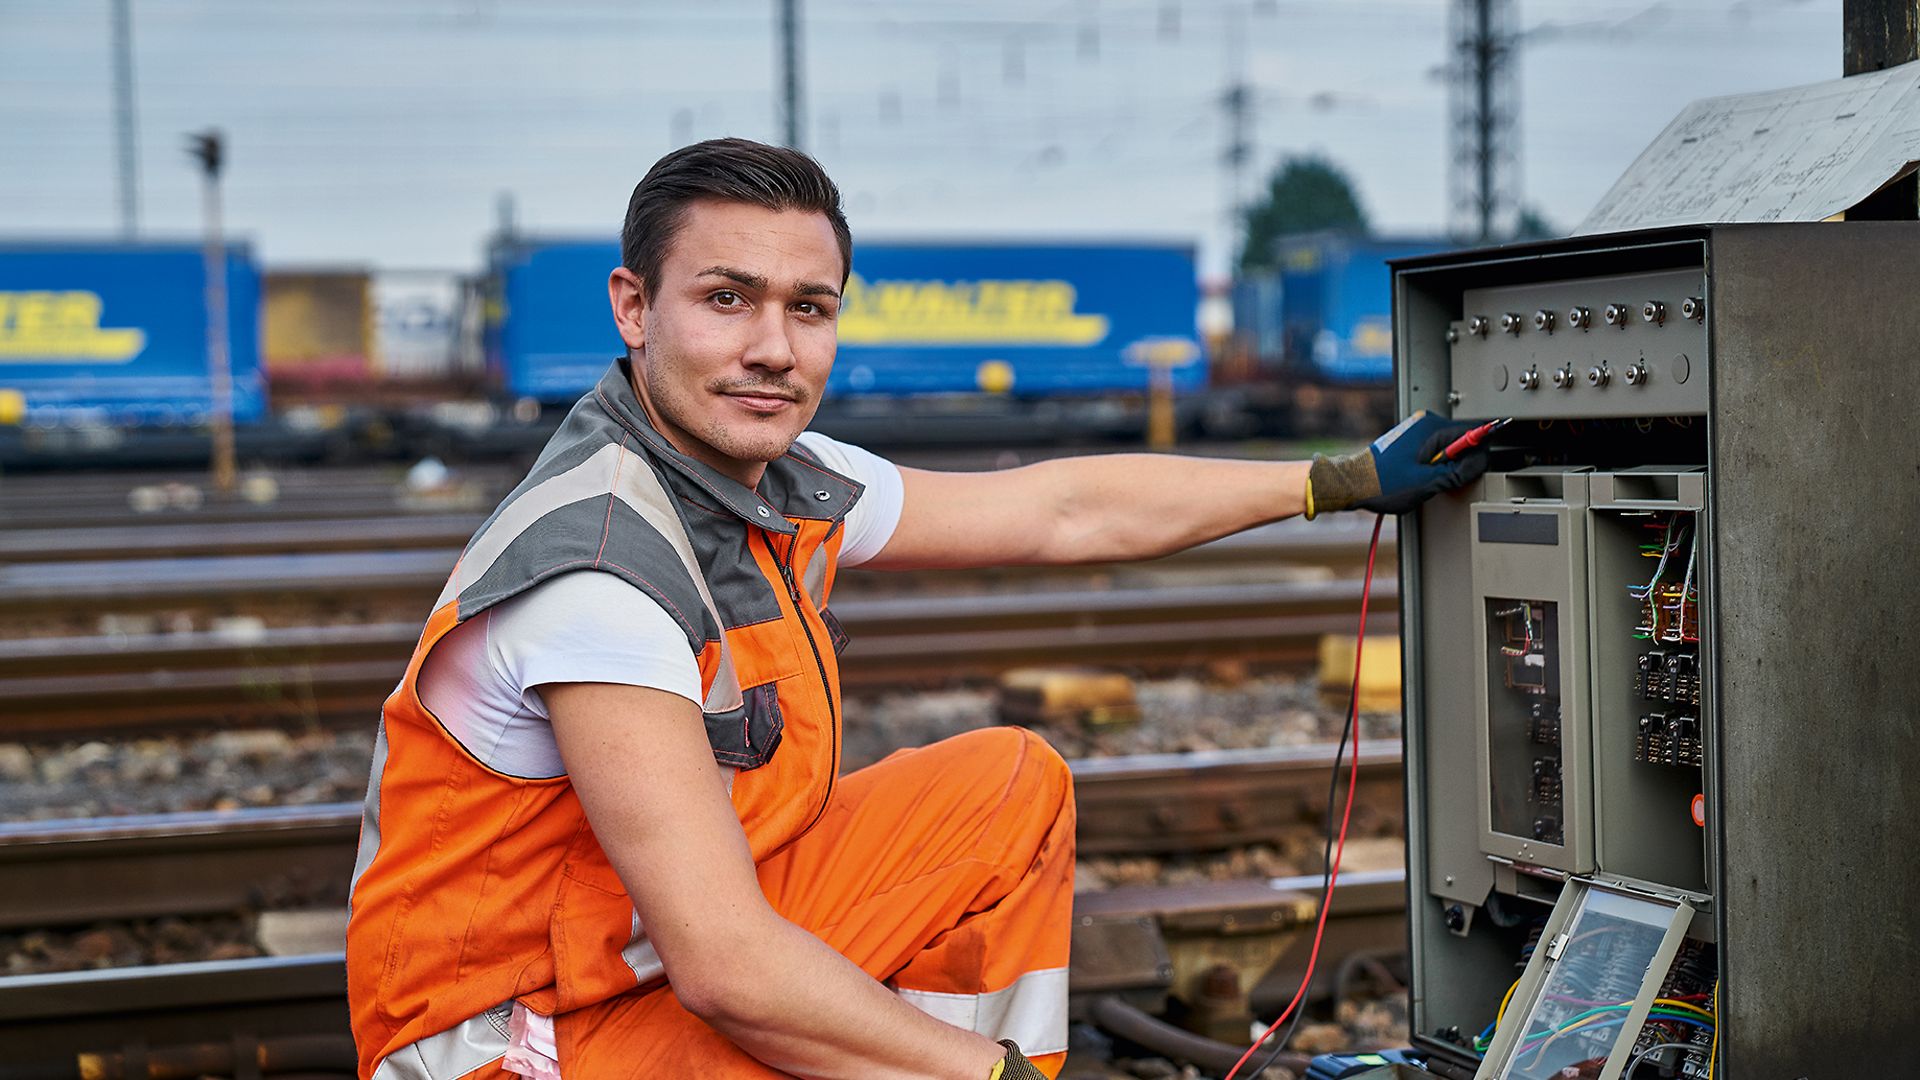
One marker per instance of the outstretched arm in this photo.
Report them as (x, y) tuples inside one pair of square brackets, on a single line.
[(1114, 507), (640, 762)]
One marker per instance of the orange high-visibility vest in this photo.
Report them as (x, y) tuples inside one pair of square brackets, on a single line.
[(474, 887)]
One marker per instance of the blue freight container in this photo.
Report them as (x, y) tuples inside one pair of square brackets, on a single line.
[(116, 334), (1337, 302), (1026, 320)]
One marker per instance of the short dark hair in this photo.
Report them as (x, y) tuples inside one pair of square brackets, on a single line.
[(732, 170)]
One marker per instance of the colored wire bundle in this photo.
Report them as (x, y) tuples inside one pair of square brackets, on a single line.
[(1666, 1010), (1525, 611), (1601, 1015)]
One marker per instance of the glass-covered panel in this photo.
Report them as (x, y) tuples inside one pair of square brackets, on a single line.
[(1595, 971), (1523, 717)]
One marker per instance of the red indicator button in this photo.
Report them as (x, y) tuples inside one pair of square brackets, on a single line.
[(1700, 810)]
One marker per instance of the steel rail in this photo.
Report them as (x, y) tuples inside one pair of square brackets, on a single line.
[(1337, 540), (60, 687), (65, 568)]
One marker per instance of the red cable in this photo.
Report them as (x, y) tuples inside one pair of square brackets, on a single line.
[(1346, 815)]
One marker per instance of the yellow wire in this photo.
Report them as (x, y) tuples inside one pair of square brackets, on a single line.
[(1670, 1003), (1713, 1052), (1541, 1054), (1502, 1014)]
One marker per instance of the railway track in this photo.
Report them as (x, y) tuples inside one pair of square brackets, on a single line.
[(149, 866), (287, 1014), (68, 566), (63, 687)]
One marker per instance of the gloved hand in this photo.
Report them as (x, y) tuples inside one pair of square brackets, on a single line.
[(1015, 1066), (1392, 475)]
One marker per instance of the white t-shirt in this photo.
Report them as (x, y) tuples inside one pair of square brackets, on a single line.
[(482, 680)]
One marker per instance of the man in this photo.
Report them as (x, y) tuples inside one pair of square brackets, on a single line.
[(605, 835)]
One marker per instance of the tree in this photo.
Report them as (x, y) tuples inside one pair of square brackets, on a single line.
[(1533, 225), (1306, 194)]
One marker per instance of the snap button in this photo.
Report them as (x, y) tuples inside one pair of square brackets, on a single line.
[(822, 496), (763, 512)]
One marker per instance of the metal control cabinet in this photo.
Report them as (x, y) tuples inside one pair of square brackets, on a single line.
[(1662, 731)]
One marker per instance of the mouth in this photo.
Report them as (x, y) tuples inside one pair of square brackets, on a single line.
[(760, 401)]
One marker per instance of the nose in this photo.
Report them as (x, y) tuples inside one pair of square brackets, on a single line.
[(769, 348)]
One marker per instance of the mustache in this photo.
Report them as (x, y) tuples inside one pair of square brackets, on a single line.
[(779, 388)]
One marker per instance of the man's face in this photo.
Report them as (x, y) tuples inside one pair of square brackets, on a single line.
[(733, 350)]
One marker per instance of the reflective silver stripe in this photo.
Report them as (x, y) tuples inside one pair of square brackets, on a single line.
[(815, 579), (642, 491), (644, 961), (585, 480), (641, 956), (1031, 1012), (476, 1043), (369, 815)]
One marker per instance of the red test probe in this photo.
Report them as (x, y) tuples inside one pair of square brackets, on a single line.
[(1470, 440)]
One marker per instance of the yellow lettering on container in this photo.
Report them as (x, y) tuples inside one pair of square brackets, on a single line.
[(986, 312), (44, 327)]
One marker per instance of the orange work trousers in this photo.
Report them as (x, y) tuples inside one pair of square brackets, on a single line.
[(945, 872)]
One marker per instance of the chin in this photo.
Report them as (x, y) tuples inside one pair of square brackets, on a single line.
[(756, 445)]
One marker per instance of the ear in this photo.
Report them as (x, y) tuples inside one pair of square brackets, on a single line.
[(628, 295)]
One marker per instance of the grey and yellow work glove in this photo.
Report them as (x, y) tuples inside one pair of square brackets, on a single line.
[(1015, 1066), (1396, 472)]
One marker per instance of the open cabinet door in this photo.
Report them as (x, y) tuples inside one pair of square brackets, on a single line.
[(1587, 989)]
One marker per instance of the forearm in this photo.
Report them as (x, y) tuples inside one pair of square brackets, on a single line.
[(1116, 507), (797, 1005)]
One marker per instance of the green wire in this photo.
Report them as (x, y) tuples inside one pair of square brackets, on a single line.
[(1656, 1011)]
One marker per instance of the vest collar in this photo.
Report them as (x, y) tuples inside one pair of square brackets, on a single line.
[(790, 488)]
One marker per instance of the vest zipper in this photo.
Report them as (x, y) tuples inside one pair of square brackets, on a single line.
[(820, 665)]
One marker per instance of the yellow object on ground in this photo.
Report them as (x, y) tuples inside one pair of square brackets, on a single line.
[(1379, 670)]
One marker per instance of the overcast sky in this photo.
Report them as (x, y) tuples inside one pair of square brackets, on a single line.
[(382, 132)]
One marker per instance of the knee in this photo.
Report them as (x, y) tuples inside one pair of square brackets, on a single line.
[(1038, 768)]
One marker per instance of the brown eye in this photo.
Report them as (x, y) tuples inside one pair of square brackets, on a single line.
[(726, 298)]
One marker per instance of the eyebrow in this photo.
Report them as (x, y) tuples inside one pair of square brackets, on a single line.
[(757, 281)]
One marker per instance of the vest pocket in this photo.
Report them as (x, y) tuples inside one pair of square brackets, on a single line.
[(746, 737), (834, 631)]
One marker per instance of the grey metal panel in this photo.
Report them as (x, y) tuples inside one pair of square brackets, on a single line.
[(1487, 366), (1643, 828), (1555, 574), (1816, 503), (1445, 868)]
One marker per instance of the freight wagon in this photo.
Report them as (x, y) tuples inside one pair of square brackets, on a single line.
[(1313, 339), (97, 340)]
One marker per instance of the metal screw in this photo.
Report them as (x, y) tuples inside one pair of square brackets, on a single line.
[(1694, 308), (1511, 322), (1453, 335), (1543, 320), (1580, 317), (1564, 377), (1636, 374), (1530, 379), (1598, 376), (1617, 315), (1477, 326), (1453, 397), (1654, 312)]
